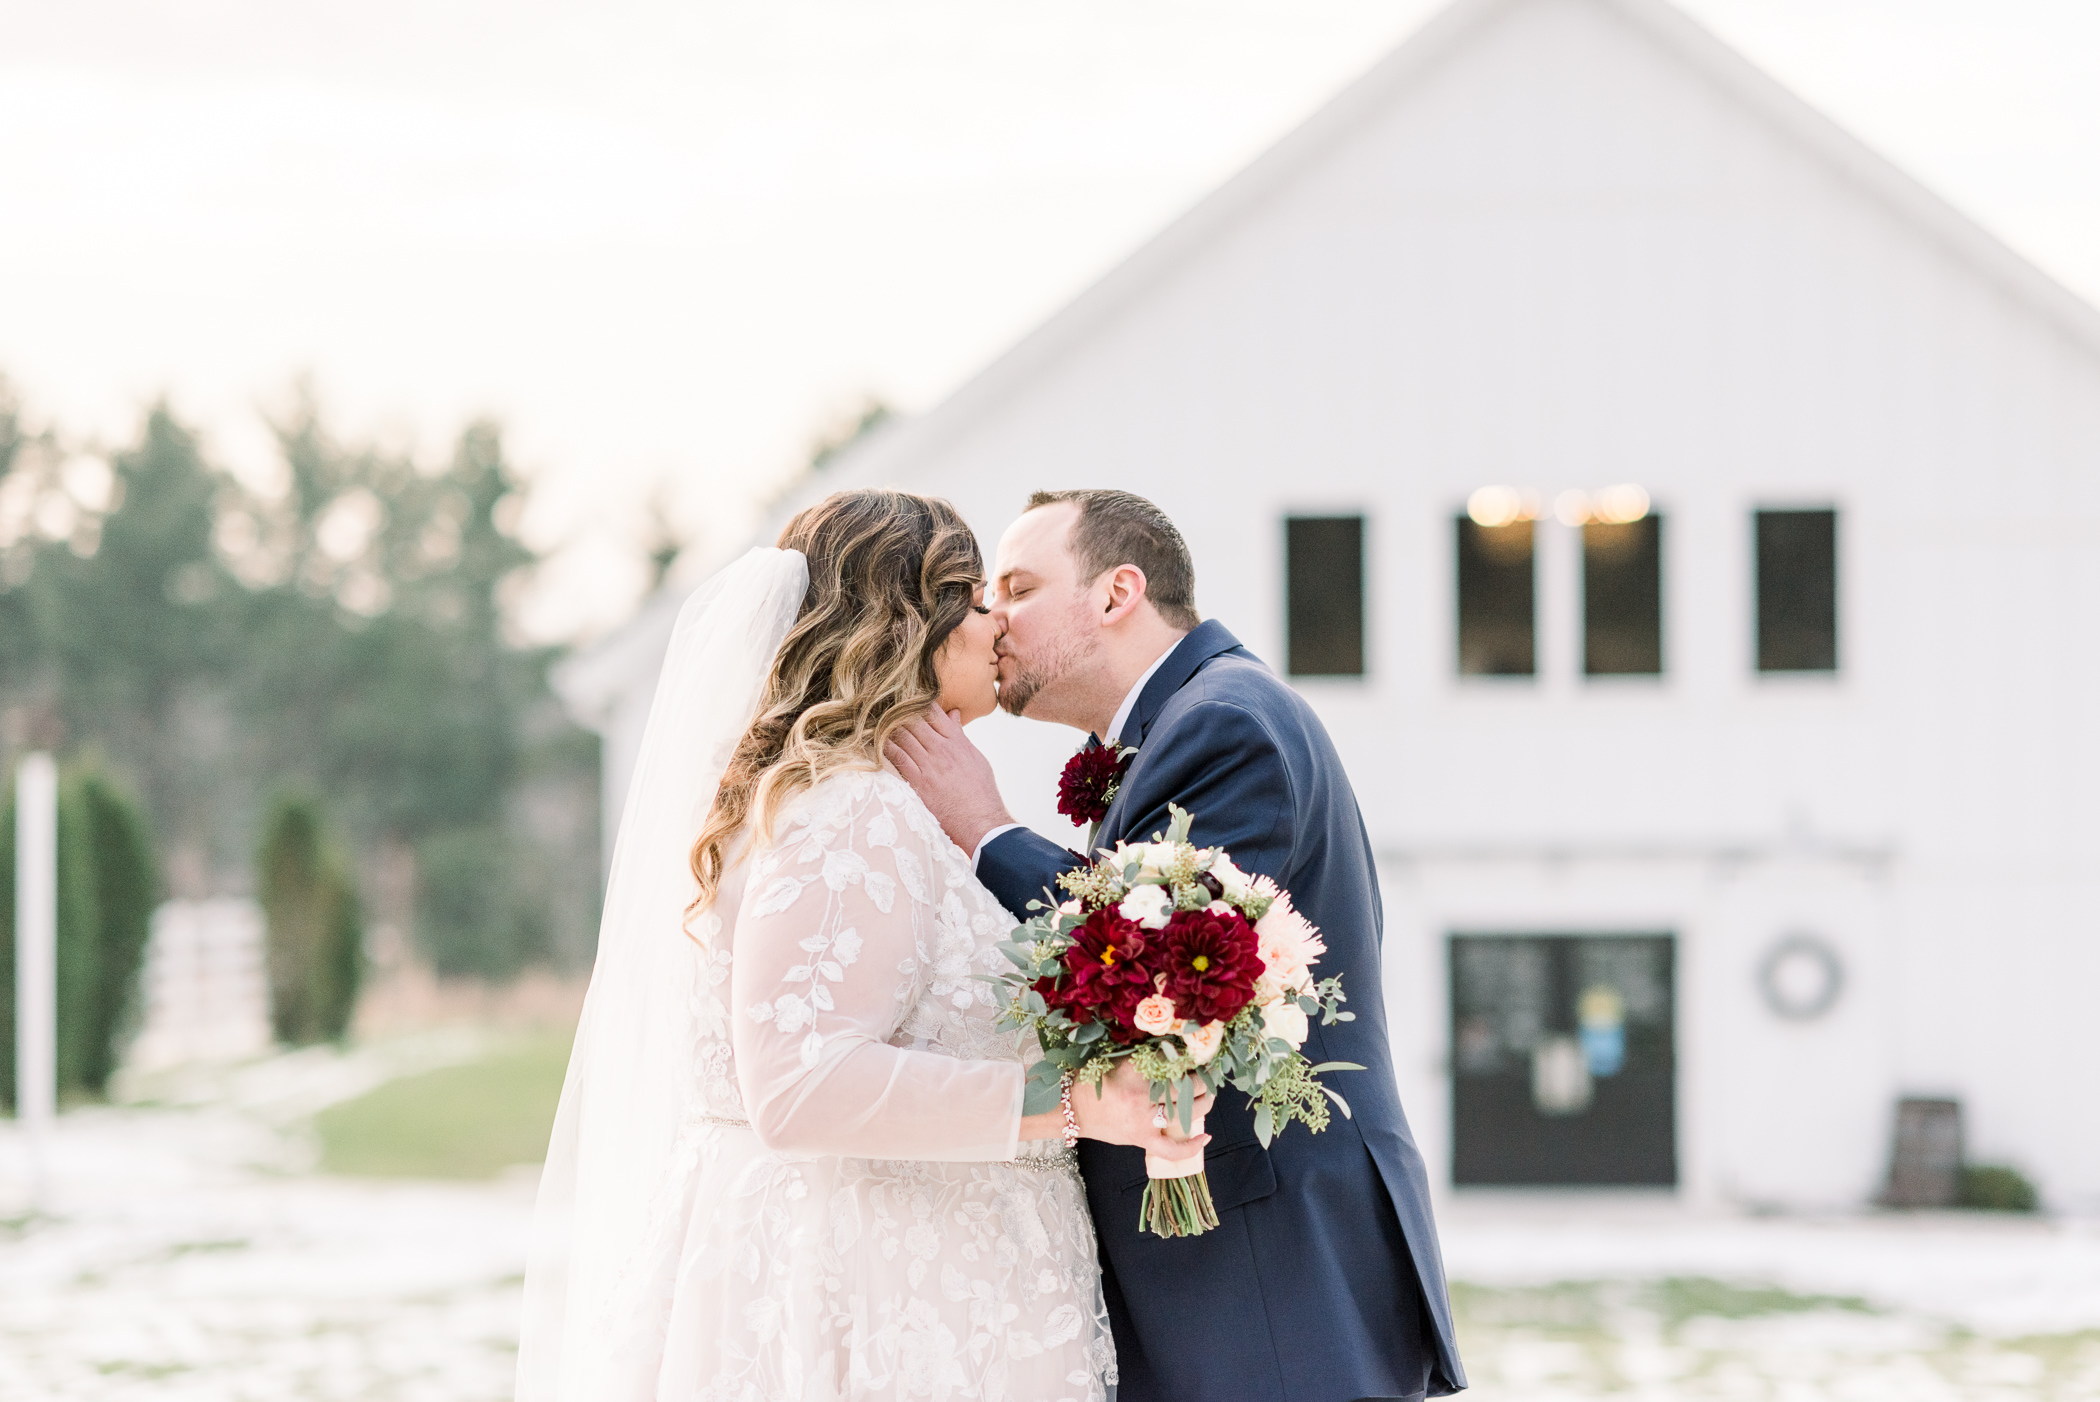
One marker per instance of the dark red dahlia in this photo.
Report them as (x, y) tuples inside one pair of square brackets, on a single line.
[(1210, 961), (1088, 785), (1105, 975)]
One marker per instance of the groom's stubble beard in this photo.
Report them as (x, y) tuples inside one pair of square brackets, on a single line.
[(1033, 676)]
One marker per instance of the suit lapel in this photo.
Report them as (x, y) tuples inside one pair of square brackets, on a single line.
[(1198, 646)]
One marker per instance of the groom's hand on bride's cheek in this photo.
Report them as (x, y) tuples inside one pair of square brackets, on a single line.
[(951, 775)]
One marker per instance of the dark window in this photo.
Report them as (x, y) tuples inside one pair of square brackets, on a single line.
[(1325, 595), (1495, 600), (1797, 591), (1563, 1059), (1622, 598)]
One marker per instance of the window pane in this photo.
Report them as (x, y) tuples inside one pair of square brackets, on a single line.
[(1797, 591), (1495, 599), (1622, 598), (1325, 588)]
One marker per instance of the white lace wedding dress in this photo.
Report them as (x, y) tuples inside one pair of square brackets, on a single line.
[(846, 1213)]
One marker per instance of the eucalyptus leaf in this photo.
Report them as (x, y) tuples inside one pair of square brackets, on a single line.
[(1045, 1089)]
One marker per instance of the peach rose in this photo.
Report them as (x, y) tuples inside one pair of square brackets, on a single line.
[(1155, 1015), (1203, 1041)]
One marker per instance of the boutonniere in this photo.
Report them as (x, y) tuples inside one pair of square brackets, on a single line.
[(1090, 780)]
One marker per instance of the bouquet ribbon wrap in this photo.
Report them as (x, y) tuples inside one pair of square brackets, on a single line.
[(1177, 1197)]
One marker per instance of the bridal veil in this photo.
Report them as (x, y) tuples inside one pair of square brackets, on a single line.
[(630, 1073)]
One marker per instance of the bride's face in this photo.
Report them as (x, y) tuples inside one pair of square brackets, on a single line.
[(968, 664)]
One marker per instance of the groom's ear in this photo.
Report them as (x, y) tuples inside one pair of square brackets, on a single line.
[(1125, 593)]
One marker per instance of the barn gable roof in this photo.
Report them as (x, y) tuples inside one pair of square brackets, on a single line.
[(1816, 136)]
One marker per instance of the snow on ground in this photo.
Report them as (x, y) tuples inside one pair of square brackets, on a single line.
[(187, 1252), (1575, 1298)]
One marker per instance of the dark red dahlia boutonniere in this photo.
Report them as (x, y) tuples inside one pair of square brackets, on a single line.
[(1089, 782)]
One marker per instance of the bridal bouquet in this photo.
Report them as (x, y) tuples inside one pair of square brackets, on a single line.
[(1168, 955)]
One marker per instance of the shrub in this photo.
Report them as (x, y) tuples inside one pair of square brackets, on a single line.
[(1996, 1188), (314, 929), (481, 904), (108, 882), (126, 886)]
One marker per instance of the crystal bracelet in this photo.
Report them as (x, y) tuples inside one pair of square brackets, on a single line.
[(1064, 1100)]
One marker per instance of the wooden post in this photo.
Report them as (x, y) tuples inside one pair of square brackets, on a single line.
[(36, 960)]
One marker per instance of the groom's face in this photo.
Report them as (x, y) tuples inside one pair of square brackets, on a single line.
[(1044, 611)]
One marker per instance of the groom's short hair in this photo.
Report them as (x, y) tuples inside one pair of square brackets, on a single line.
[(1121, 528)]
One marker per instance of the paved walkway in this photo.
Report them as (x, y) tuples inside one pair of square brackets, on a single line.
[(188, 1254)]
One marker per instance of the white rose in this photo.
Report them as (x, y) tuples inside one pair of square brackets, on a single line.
[(1231, 878), (1286, 1019), (1072, 907), (1148, 906), (1145, 854)]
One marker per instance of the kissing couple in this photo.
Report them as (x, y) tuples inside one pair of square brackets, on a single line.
[(793, 1158)]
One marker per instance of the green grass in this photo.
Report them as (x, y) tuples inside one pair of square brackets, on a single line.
[(1681, 1299), (468, 1121)]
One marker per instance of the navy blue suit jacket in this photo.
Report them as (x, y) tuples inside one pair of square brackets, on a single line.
[(1323, 1281)]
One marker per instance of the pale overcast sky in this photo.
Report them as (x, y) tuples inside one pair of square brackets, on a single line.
[(664, 241)]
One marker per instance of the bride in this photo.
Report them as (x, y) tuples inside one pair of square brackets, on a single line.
[(791, 1159)]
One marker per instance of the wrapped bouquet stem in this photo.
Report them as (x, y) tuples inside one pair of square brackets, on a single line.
[(1168, 956), (1177, 1197)]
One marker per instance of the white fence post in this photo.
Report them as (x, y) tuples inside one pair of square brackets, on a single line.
[(36, 959)]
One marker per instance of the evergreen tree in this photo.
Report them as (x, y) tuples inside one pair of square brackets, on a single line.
[(314, 932), (344, 638), (126, 888), (106, 892)]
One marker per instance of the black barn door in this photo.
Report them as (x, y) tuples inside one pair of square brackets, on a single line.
[(1563, 1060)]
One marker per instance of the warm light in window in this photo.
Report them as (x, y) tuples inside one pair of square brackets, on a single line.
[(1611, 506), (1617, 505), (1498, 506)]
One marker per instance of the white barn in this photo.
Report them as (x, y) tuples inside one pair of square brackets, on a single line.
[(1704, 838)]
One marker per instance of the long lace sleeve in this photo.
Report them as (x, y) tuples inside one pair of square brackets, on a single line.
[(837, 931)]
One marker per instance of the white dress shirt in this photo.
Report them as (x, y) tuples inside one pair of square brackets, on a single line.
[(1115, 731)]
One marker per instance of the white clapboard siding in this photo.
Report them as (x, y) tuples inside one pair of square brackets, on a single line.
[(1567, 243)]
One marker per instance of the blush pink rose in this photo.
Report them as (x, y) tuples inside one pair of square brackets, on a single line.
[(1203, 1041), (1155, 1015)]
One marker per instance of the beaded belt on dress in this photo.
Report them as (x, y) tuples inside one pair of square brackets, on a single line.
[(1063, 1158)]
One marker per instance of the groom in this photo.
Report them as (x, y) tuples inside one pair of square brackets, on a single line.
[(1322, 1281)]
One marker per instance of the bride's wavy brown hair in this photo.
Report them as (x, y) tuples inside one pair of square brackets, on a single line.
[(890, 576)]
